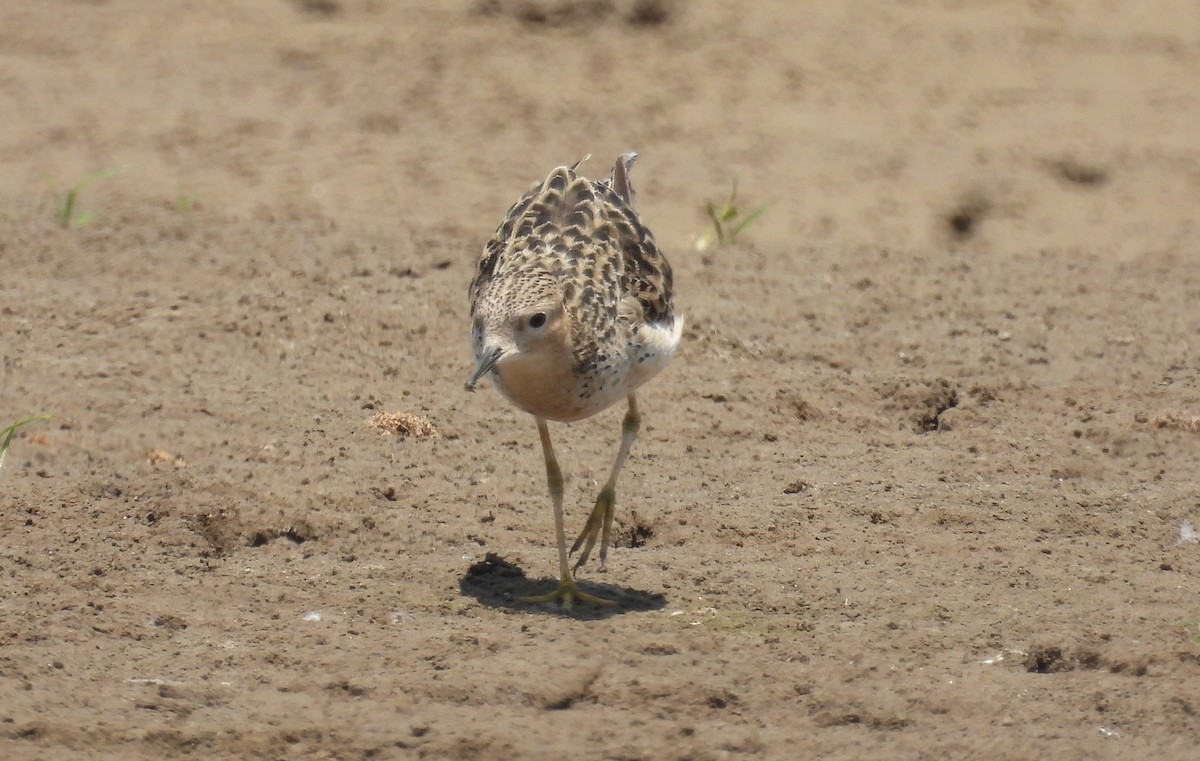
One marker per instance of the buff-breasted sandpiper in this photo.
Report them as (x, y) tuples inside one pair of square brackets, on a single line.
[(571, 311)]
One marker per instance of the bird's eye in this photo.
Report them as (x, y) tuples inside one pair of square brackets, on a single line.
[(537, 320)]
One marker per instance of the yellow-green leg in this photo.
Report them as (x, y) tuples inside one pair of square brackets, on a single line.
[(599, 523), (567, 591)]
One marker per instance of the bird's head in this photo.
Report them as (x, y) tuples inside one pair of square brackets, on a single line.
[(523, 326)]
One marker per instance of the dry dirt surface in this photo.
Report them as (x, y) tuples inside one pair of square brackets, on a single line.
[(920, 484)]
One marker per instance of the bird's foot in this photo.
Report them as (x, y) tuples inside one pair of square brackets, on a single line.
[(598, 526), (567, 593)]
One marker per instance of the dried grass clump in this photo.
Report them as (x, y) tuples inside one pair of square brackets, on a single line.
[(1176, 422), (159, 457), (402, 424)]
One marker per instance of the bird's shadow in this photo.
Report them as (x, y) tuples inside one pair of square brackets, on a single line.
[(497, 583)]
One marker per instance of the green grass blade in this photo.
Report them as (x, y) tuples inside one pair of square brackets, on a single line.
[(748, 220), (66, 207), (717, 223), (10, 431), (65, 213)]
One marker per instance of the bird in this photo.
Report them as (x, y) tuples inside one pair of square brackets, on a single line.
[(572, 310)]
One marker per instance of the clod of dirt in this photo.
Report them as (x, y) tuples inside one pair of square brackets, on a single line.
[(221, 529), (722, 699), (964, 219), (557, 13), (796, 487), (940, 399), (921, 401), (635, 534), (660, 649), (390, 494), (546, 12), (650, 12), (225, 532), (297, 534), (796, 407), (403, 424), (169, 622), (346, 687), (1049, 659), (318, 7), (494, 568), (1077, 172)]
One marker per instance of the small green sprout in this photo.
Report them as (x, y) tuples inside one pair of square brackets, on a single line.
[(66, 201), (6, 434), (727, 220)]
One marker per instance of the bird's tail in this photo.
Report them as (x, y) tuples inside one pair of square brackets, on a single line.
[(618, 178)]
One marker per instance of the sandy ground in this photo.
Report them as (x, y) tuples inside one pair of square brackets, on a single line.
[(917, 485)]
